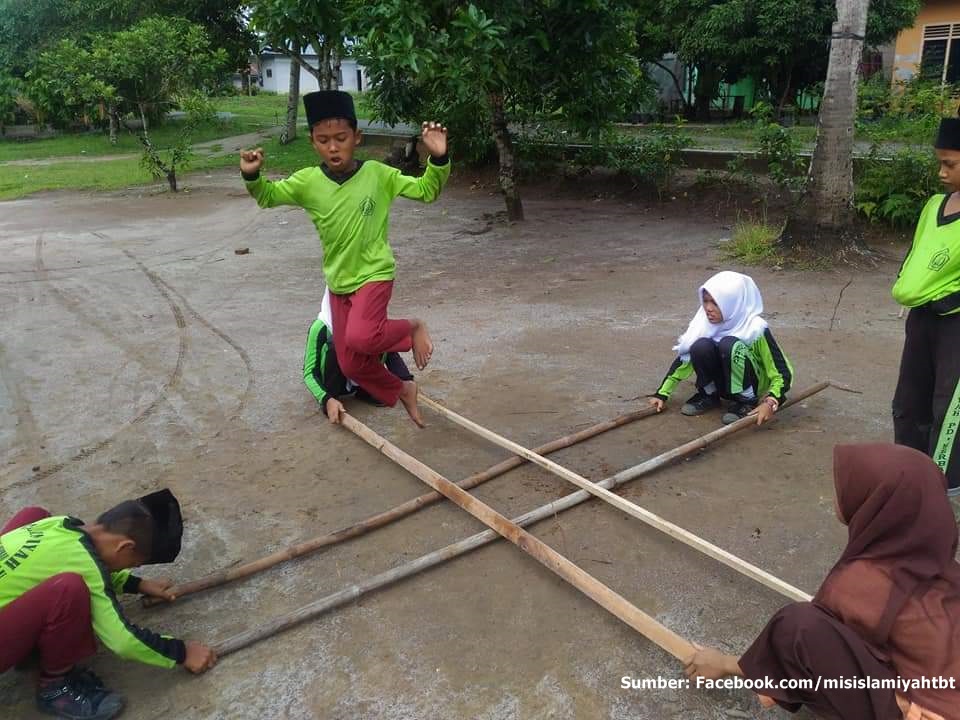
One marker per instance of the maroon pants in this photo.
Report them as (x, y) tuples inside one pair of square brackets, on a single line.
[(362, 333), (52, 618)]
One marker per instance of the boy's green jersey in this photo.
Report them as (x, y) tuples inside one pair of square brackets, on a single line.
[(38, 551), (774, 371), (352, 217), (931, 271)]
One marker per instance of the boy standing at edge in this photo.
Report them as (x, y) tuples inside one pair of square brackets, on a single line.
[(349, 202), (926, 404)]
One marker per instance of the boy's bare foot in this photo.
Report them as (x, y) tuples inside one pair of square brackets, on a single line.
[(422, 344), (408, 396)]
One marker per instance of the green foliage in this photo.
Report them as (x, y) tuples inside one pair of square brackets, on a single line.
[(10, 89), (754, 243), (895, 190), (140, 68), (909, 112), (567, 61), (65, 85), (779, 42), (653, 158), (166, 162), (778, 146)]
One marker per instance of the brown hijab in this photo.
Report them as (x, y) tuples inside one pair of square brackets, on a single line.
[(897, 582)]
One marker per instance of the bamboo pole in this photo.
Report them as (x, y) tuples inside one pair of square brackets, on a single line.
[(634, 510), (229, 574), (438, 557), (540, 551)]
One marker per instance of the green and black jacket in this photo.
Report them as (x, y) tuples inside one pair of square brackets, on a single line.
[(774, 371)]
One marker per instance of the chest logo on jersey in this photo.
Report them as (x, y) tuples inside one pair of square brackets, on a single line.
[(367, 206), (939, 260)]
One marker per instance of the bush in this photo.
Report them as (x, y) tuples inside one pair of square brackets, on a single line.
[(910, 112), (895, 190), (654, 157), (778, 147), (754, 243)]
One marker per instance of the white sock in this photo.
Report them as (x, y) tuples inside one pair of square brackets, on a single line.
[(711, 388), (748, 394)]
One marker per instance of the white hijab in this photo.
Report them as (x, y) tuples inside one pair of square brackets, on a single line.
[(326, 315), (739, 301)]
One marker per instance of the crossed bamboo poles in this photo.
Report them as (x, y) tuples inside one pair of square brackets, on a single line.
[(511, 530)]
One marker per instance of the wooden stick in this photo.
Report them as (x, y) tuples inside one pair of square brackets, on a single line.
[(537, 549), (632, 509), (438, 557), (229, 574)]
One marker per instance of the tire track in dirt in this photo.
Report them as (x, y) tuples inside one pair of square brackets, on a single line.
[(239, 349), (173, 379), (25, 430)]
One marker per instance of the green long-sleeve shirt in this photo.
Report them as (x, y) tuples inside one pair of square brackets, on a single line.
[(774, 371), (931, 271), (352, 217), (321, 371), (36, 552)]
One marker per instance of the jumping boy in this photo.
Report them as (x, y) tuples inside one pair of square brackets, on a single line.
[(349, 202), (321, 371), (59, 581)]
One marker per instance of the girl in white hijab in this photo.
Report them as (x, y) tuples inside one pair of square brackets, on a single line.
[(730, 347)]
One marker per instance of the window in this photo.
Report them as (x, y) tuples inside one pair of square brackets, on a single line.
[(940, 56), (269, 72)]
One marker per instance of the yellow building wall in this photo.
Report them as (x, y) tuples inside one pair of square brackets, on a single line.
[(906, 60)]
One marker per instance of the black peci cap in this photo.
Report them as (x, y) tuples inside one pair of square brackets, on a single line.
[(326, 104), (167, 526), (948, 137)]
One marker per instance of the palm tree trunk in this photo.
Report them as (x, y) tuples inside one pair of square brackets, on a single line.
[(827, 216)]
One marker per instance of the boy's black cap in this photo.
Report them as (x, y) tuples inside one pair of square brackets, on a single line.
[(948, 138), (326, 104), (167, 526)]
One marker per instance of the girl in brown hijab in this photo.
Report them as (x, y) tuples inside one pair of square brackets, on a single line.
[(889, 608)]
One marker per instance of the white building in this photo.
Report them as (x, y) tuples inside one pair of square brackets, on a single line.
[(275, 73)]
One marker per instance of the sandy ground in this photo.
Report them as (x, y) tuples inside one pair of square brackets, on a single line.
[(138, 351)]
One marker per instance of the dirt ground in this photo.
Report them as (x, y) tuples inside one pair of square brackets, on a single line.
[(137, 351)]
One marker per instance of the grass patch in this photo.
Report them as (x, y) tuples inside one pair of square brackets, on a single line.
[(96, 144), (753, 243), (19, 181)]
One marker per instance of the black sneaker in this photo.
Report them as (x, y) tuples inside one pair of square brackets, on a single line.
[(737, 410), (78, 695), (700, 403)]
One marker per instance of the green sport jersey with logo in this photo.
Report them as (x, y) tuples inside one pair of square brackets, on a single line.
[(38, 551), (931, 271), (352, 217), (774, 371)]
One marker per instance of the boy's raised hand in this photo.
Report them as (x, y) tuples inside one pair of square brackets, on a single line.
[(251, 161), (433, 135)]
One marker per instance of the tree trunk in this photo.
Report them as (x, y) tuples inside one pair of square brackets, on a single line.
[(172, 179), (293, 103), (334, 69), (508, 174), (676, 84), (705, 90), (143, 115), (112, 115), (825, 215)]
